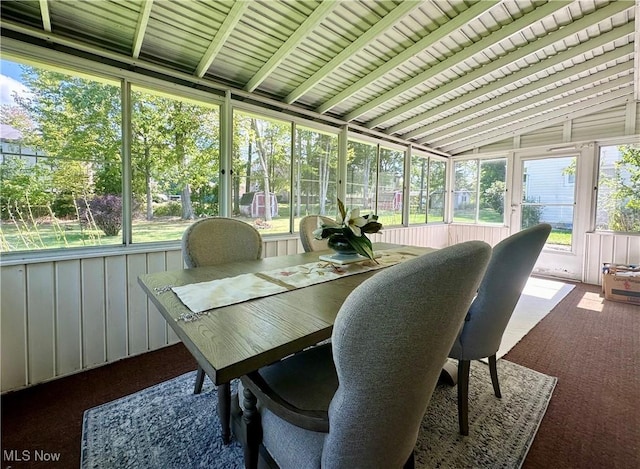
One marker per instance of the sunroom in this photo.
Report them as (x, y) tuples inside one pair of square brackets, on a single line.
[(452, 120)]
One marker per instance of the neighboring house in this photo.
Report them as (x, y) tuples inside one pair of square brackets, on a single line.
[(11, 145), (553, 186)]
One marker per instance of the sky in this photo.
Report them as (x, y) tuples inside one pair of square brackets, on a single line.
[(10, 81)]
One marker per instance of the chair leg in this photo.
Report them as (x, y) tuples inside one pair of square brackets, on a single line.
[(493, 369), (411, 462), (463, 396), (197, 389)]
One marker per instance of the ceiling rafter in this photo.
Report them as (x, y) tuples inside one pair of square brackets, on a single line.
[(519, 109), (636, 42), (314, 19), (511, 79), (609, 59), (141, 27), (363, 41), (221, 36), (46, 17), (597, 104), (531, 48), (440, 33), (475, 48)]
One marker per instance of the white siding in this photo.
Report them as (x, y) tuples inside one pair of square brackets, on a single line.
[(546, 136), (600, 125)]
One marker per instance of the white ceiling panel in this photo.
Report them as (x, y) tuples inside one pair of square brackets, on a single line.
[(449, 74)]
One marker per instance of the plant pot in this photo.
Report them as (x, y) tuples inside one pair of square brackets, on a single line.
[(340, 245)]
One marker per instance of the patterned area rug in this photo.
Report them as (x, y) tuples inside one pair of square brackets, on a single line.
[(166, 426)]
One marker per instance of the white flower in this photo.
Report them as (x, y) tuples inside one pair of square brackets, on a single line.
[(355, 222)]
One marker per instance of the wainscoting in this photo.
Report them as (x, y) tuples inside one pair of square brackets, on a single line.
[(601, 248), (64, 316)]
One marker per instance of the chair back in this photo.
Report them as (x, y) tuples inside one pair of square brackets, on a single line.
[(218, 240), (308, 225), (510, 266), (390, 340)]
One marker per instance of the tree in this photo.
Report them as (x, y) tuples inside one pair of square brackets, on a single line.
[(626, 194), (78, 122), (361, 161)]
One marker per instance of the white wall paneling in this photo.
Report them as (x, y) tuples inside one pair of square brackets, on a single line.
[(60, 317), (608, 248), (459, 233), (13, 327)]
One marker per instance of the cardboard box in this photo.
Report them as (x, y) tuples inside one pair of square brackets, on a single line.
[(621, 283)]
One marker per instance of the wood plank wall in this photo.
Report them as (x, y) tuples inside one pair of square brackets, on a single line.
[(603, 248), (61, 317)]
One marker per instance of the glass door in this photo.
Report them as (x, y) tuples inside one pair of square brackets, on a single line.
[(548, 196), (544, 191)]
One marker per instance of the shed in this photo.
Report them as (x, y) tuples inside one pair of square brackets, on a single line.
[(252, 204)]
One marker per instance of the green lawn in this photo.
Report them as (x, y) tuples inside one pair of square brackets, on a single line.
[(69, 234)]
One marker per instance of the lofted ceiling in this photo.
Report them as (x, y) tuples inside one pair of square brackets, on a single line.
[(451, 75)]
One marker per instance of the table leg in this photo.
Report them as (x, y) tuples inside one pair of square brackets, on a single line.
[(253, 429), (224, 411)]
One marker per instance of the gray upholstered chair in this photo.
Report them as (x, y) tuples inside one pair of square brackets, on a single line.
[(213, 241), (359, 402), (308, 225), (511, 264)]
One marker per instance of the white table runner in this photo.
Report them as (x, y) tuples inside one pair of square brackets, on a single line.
[(204, 296)]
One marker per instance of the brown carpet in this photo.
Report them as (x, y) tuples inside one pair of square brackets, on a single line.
[(593, 420), (593, 347)]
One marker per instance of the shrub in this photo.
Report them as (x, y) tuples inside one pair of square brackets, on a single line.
[(168, 209), (105, 211), (531, 214), (63, 206), (494, 196)]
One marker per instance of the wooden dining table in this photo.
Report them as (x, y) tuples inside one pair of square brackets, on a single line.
[(231, 341)]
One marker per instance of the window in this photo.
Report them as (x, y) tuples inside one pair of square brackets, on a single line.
[(390, 183), (375, 178), (61, 167), (175, 157), (62, 174), (362, 164), (478, 194), (426, 191), (315, 174), (262, 172), (546, 199), (618, 201)]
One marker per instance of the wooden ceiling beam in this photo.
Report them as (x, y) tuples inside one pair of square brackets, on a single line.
[(363, 41), (590, 106), (529, 107), (440, 33), (314, 19), (46, 17), (510, 80), (141, 27), (226, 28), (585, 22), (636, 42), (500, 35)]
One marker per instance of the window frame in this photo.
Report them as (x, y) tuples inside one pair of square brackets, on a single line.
[(596, 182), (200, 92), (479, 161)]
